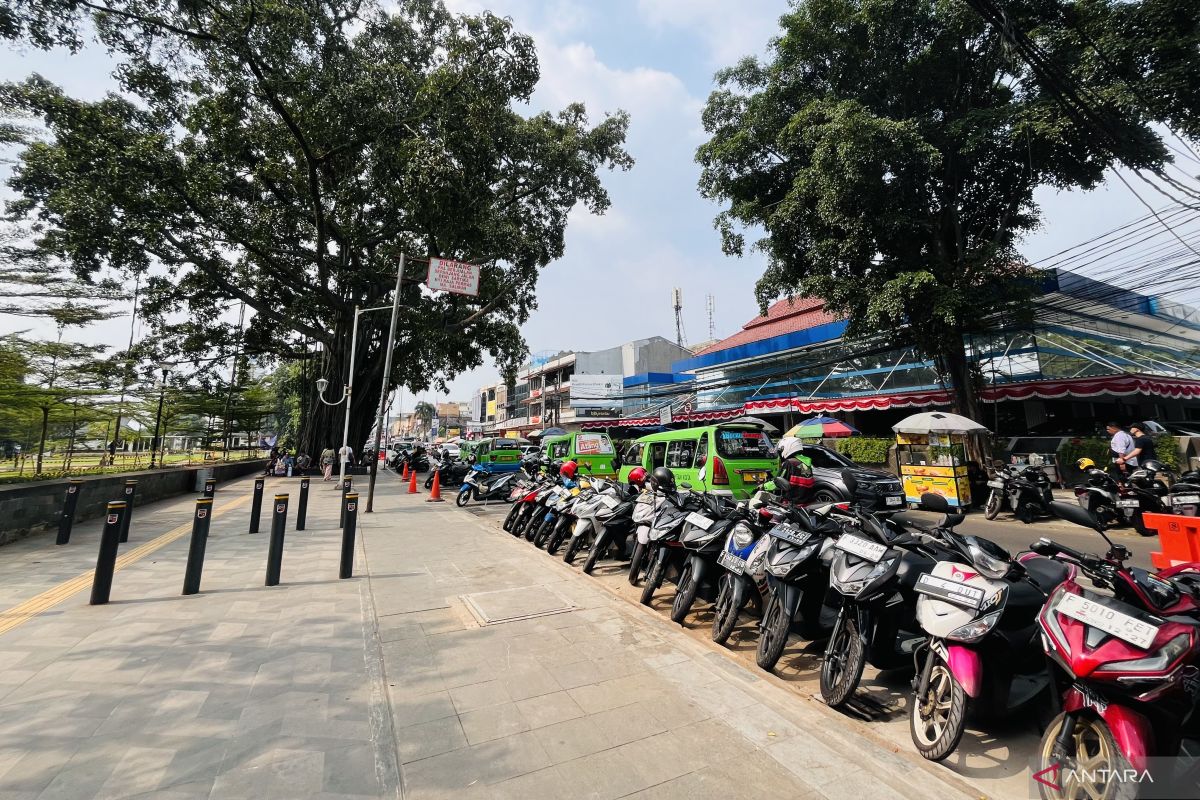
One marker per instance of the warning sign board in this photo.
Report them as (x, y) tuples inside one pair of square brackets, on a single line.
[(458, 277)]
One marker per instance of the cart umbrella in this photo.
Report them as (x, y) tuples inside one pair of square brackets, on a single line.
[(822, 428)]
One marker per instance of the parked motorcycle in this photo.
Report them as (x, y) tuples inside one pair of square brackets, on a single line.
[(451, 474), (1127, 662), (1026, 490), (1099, 493), (663, 550), (483, 487), (617, 533), (1184, 496), (611, 505), (979, 612), (524, 493), (1144, 493)]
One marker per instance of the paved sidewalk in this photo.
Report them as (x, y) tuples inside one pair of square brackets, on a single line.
[(600, 699), (242, 691)]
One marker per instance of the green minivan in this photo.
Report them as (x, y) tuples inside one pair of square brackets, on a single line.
[(592, 451), (735, 457)]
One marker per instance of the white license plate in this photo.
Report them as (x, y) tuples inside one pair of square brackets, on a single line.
[(996, 484), (951, 591), (699, 520), (894, 501), (610, 502), (1133, 630), (790, 533), (731, 562), (863, 548), (1181, 499), (1129, 503)]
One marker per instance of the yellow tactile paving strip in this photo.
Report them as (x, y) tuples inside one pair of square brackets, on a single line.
[(23, 612)]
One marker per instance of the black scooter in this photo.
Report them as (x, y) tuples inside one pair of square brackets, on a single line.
[(1026, 489)]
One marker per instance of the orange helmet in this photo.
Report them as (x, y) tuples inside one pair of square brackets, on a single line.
[(568, 469), (637, 477)]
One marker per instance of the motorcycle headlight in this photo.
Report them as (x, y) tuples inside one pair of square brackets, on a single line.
[(742, 535), (989, 565), (1158, 662), (976, 629), (855, 586)]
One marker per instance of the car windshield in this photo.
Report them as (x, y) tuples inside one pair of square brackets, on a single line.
[(744, 444)]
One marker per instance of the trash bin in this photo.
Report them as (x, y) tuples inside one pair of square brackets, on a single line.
[(203, 474)]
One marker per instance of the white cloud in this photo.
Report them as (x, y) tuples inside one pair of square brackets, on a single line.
[(731, 30)]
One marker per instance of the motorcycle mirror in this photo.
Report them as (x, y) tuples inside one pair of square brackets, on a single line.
[(850, 481), (686, 485), (1044, 547), (1078, 515), (702, 476)]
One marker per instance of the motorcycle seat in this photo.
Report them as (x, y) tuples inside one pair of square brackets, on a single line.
[(1045, 572)]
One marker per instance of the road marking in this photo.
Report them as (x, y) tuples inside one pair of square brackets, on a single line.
[(23, 612)]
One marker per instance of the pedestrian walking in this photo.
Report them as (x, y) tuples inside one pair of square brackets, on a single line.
[(303, 462), (327, 456), (346, 456), (1143, 446), (1119, 447)]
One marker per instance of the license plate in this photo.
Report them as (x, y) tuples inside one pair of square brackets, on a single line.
[(575, 492), (790, 533), (699, 520), (1133, 630), (731, 562), (863, 548), (894, 501), (754, 477), (996, 484), (610, 502), (951, 591), (1180, 499), (1129, 503)]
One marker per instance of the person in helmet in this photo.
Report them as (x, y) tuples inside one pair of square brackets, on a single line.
[(795, 479), (637, 479)]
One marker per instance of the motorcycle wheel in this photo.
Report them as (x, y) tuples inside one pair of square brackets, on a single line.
[(773, 634), (635, 563), (562, 529), (543, 533), (429, 483), (530, 524), (1093, 751), (726, 616), (685, 594), (462, 499), (654, 579), (992, 509), (937, 720), (510, 518), (598, 547), (842, 668), (1139, 524), (573, 549)]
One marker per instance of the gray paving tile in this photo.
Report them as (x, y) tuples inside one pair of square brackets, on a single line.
[(431, 739), (492, 722), (549, 709)]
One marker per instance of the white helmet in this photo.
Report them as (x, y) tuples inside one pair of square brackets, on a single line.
[(789, 446)]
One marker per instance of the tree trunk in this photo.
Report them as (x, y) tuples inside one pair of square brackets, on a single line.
[(42, 439), (964, 395)]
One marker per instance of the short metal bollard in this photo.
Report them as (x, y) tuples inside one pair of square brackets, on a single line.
[(106, 561), (256, 505), (195, 562), (347, 487), (67, 520), (127, 516), (210, 487), (302, 505), (350, 509), (275, 550)]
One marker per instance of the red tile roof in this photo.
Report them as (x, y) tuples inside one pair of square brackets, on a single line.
[(784, 316)]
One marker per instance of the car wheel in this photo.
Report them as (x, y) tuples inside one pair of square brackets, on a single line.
[(827, 496)]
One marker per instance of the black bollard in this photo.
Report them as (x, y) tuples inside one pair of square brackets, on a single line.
[(195, 563), (347, 487), (350, 507), (127, 515), (302, 505), (67, 520), (210, 487), (106, 562), (256, 506), (275, 550)]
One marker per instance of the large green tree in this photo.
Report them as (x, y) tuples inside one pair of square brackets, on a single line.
[(890, 150), (285, 154)]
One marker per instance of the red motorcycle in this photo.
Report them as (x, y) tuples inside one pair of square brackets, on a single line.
[(1129, 667)]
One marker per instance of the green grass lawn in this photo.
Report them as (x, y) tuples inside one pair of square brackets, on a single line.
[(83, 464)]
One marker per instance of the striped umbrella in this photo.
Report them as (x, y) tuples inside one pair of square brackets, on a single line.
[(822, 428)]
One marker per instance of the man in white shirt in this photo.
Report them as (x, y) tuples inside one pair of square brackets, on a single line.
[(346, 454), (1121, 445)]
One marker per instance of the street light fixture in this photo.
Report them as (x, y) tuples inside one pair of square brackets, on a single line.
[(162, 393)]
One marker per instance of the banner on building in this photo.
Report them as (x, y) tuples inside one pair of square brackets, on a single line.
[(596, 391)]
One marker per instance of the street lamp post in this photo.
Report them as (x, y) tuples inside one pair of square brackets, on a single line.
[(162, 393)]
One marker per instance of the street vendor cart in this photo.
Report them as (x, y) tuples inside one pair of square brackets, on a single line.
[(931, 448)]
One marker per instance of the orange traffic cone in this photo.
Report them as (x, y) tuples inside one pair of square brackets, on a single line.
[(435, 496), (404, 472), (412, 482)]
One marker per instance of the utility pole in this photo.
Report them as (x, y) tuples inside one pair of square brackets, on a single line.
[(677, 299)]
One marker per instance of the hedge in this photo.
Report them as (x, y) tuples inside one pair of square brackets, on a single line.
[(865, 450)]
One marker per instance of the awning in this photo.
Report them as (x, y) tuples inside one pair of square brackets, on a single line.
[(637, 422), (1055, 389)]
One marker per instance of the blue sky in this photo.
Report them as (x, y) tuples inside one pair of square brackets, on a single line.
[(654, 59)]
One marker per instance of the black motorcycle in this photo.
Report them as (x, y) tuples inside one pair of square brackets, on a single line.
[(450, 474), (703, 540), (1026, 490), (663, 550), (1144, 493), (1185, 494), (1099, 494)]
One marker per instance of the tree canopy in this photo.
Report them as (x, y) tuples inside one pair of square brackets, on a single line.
[(286, 154), (890, 150)]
